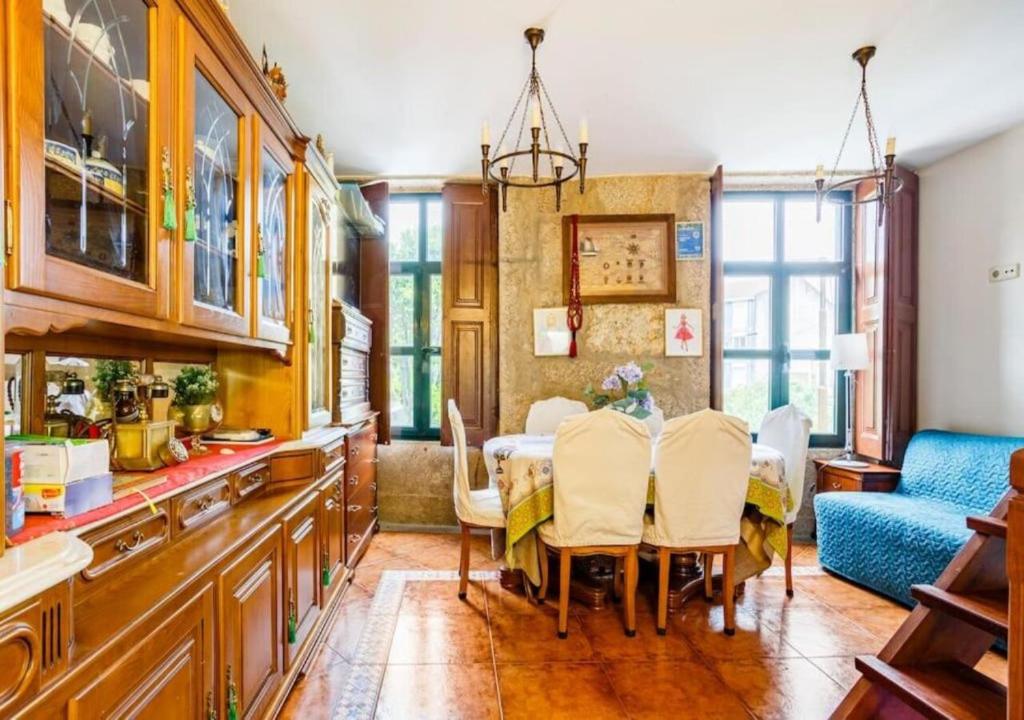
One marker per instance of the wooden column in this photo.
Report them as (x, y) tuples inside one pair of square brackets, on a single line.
[(1015, 579), (374, 269), (717, 287)]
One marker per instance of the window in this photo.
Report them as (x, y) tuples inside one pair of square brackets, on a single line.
[(414, 242), (787, 290)]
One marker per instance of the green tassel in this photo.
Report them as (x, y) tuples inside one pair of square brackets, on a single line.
[(291, 628), (170, 217), (261, 270), (190, 223), (325, 576), (232, 711), (312, 333)]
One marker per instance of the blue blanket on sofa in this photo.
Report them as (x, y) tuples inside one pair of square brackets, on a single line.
[(890, 541)]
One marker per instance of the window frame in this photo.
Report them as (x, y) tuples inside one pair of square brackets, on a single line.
[(421, 270), (779, 272)]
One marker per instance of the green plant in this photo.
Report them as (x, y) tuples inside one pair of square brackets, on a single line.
[(195, 385), (625, 390), (108, 372)]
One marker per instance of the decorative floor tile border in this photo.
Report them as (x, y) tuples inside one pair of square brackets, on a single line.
[(362, 688)]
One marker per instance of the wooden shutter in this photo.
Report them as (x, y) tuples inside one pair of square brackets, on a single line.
[(885, 265), (469, 272), (374, 274), (717, 289)]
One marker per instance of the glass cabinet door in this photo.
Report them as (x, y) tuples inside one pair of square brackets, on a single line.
[(321, 221), (216, 294), (85, 137), (273, 245)]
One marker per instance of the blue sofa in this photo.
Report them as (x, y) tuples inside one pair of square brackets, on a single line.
[(890, 541)]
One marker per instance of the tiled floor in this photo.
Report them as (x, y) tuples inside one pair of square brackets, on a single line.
[(406, 647)]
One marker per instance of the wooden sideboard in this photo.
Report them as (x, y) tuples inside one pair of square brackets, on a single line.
[(209, 603)]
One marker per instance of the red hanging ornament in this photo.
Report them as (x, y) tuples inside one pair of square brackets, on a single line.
[(574, 315)]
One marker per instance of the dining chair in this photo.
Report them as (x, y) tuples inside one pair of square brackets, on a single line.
[(701, 472), (545, 415), (788, 430), (601, 468), (473, 508)]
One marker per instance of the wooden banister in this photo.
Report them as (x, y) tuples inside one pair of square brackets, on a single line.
[(1015, 580)]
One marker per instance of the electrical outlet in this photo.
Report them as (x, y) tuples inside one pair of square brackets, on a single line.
[(1004, 272)]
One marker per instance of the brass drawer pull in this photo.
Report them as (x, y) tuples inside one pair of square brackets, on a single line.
[(374, 509), (375, 460), (355, 451), (122, 547), (354, 480), (373, 486), (204, 503), (354, 537), (836, 485), (255, 478), (354, 508)]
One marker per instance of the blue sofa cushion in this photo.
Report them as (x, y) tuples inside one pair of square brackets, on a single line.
[(888, 541), (971, 471)]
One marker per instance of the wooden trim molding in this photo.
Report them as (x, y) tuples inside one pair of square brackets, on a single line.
[(717, 286)]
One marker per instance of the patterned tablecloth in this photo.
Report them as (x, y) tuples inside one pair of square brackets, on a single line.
[(520, 467)]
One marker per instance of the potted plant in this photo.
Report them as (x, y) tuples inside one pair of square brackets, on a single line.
[(195, 389), (108, 374), (625, 390)]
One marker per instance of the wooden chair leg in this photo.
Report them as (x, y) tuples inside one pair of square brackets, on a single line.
[(728, 591), (617, 583), (707, 561), (464, 563), (632, 562), (789, 560), (564, 571), (664, 563), (545, 568)]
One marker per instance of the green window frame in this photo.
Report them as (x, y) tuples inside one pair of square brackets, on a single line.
[(419, 358), (779, 272)]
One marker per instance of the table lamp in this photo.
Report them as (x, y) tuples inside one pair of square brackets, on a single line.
[(849, 353)]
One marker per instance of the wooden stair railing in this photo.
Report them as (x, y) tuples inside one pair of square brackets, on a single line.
[(927, 667)]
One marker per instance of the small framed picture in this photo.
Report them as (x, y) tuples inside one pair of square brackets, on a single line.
[(551, 334), (684, 332), (689, 241)]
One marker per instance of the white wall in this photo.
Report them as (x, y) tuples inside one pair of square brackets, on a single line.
[(971, 334)]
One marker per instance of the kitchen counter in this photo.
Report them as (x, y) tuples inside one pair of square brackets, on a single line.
[(29, 569)]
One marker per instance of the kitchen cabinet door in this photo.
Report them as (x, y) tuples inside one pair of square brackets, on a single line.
[(274, 188)]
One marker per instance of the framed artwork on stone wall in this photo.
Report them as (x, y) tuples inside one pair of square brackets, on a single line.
[(551, 334), (684, 332), (623, 258)]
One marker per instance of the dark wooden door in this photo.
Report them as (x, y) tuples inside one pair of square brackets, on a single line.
[(332, 555), (302, 572), (469, 273), (374, 268), (251, 643)]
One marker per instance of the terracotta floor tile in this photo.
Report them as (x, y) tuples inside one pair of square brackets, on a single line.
[(441, 597), (782, 689), (500, 600), (689, 689), (522, 638), (823, 632), (770, 593), (841, 669), (319, 689), (838, 593), (347, 626), (367, 576), (703, 625), (448, 692), (557, 691), (440, 638), (606, 633), (995, 666), (881, 622)]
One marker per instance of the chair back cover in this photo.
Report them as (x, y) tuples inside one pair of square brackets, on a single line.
[(460, 489), (788, 430), (602, 464), (701, 468), (655, 421), (546, 415)]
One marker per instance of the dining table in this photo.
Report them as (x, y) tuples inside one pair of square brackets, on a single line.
[(521, 468)]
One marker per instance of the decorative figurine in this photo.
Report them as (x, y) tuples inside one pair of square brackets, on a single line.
[(275, 76)]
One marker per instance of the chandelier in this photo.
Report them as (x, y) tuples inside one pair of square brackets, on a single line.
[(883, 168), (563, 164)]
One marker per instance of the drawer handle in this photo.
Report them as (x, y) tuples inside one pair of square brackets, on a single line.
[(374, 509), (354, 508), (204, 503), (836, 485), (354, 480), (355, 451), (254, 478), (354, 537), (373, 486), (122, 547), (374, 460)]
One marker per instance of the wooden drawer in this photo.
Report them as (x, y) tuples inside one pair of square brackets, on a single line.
[(133, 536), (248, 480), (334, 456), (360, 522), (353, 392), (358, 476), (362, 445), (295, 466), (356, 332), (831, 482), (197, 507), (354, 363)]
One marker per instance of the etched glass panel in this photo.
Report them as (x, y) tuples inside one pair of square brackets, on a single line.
[(319, 217), (274, 236), (96, 134), (215, 182)]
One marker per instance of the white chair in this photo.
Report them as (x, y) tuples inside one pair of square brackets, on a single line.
[(473, 508), (788, 430), (545, 415), (701, 472), (655, 421), (601, 466)]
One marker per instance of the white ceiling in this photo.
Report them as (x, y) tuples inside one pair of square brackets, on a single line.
[(399, 88)]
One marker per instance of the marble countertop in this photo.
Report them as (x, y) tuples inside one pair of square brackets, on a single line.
[(37, 565)]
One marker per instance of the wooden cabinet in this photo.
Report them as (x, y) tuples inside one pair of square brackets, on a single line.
[(19, 658), (351, 363), (168, 674), (873, 478), (302, 550), (321, 212), (251, 662), (332, 553), (360, 490), (198, 507), (120, 544)]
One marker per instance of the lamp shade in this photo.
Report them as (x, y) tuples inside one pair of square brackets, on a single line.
[(850, 351)]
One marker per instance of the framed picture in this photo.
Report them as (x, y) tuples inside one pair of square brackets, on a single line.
[(684, 332), (551, 334), (623, 258), (689, 241)]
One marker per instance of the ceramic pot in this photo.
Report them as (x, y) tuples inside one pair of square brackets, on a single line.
[(196, 418)]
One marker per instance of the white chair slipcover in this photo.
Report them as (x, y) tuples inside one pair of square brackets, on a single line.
[(545, 415), (655, 422), (601, 466), (475, 507), (701, 470), (788, 430)]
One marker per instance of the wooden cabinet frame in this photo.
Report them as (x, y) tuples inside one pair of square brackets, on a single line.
[(318, 196)]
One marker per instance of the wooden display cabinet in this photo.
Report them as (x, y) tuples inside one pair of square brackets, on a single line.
[(321, 224)]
